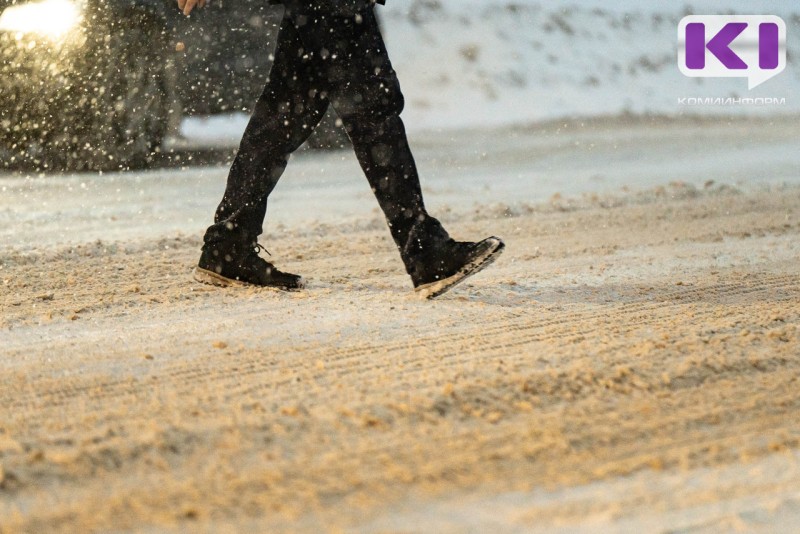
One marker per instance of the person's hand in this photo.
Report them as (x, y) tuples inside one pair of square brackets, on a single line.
[(187, 5)]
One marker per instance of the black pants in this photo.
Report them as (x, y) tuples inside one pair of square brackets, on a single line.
[(323, 58)]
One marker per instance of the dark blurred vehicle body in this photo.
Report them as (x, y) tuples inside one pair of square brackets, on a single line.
[(85, 84), (226, 59), (99, 84)]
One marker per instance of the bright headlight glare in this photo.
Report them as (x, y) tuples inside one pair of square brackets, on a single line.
[(50, 18)]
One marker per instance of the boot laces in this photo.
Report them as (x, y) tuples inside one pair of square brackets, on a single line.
[(258, 247)]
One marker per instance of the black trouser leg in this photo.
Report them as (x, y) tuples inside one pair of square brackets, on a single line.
[(365, 92), (291, 105)]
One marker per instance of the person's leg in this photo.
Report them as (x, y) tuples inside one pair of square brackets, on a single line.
[(365, 92), (291, 105)]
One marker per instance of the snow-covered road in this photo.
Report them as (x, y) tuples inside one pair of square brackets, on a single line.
[(511, 166), (643, 321)]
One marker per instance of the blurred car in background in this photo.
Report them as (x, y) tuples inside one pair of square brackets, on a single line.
[(100, 84), (85, 85)]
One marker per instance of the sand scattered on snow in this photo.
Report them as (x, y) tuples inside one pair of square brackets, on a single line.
[(649, 333)]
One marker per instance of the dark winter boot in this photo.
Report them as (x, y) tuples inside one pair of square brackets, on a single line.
[(437, 263), (224, 266)]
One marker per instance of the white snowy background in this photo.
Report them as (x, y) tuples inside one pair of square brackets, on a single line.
[(483, 63)]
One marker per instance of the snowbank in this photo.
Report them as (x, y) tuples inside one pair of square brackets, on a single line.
[(467, 63)]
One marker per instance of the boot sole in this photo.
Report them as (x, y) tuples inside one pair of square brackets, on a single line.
[(205, 276), (435, 289)]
